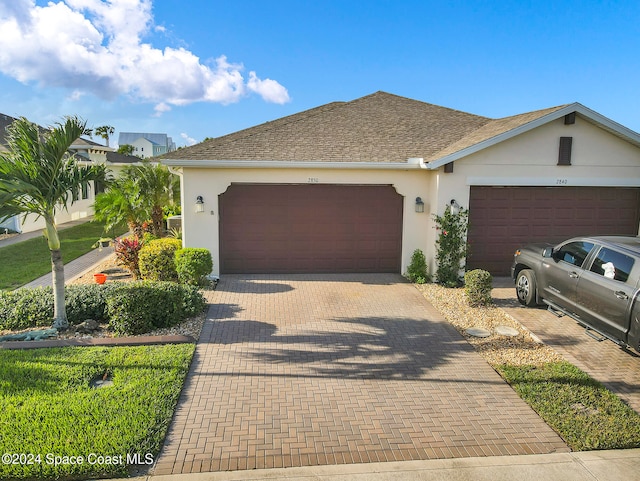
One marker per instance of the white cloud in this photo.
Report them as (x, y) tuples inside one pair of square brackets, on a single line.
[(188, 140), (161, 108), (96, 46), (268, 89)]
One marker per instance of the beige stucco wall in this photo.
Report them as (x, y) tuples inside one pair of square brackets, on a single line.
[(201, 229), (79, 210), (599, 158)]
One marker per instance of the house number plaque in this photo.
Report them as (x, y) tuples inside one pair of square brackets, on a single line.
[(313, 180)]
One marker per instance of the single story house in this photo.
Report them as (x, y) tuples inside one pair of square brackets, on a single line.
[(353, 186)]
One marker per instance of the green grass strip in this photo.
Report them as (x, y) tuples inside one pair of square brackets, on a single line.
[(50, 412), (581, 410), (26, 261)]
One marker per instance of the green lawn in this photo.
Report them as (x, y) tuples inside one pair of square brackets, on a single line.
[(53, 423), (585, 413), (26, 261)]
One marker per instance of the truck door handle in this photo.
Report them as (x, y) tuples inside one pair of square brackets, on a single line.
[(573, 274), (621, 295)]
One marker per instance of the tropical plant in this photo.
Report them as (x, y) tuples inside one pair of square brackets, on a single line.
[(120, 203), (158, 188), (127, 250), (139, 194), (104, 131), (451, 245), (126, 149), (37, 175)]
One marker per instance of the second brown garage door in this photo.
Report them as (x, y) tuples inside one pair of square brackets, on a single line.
[(502, 219), (307, 228)]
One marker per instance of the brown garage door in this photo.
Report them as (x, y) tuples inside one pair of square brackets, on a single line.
[(271, 228), (504, 218)]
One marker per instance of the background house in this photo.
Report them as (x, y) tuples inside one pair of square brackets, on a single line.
[(86, 151), (334, 189), (147, 145)]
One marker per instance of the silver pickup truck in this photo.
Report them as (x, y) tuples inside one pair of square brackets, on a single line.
[(594, 280)]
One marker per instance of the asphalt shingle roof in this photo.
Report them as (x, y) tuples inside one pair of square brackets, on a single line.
[(377, 128), (380, 127)]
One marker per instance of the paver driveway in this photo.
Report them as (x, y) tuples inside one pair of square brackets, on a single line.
[(307, 370), (618, 369)]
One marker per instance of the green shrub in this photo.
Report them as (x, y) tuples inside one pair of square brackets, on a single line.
[(137, 308), (24, 308), (148, 237), (157, 260), (417, 271), (477, 286), (192, 301), (87, 301), (192, 265), (129, 307), (451, 245)]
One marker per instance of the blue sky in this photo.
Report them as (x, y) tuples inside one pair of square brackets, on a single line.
[(205, 68)]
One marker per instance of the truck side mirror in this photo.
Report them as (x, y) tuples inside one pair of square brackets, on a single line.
[(547, 252)]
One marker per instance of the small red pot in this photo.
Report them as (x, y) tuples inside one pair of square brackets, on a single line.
[(100, 278)]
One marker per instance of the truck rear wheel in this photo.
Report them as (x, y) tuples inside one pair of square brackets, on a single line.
[(526, 288)]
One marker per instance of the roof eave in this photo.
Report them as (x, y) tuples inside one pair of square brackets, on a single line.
[(410, 164), (590, 115)]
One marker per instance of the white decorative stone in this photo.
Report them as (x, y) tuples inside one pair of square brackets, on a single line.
[(478, 332), (507, 331)]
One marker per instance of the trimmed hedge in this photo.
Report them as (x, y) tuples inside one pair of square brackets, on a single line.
[(148, 304), (136, 308), (477, 286), (25, 308), (192, 265), (157, 259)]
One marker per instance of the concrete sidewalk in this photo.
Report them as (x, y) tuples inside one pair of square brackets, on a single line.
[(76, 267), (72, 269), (582, 466)]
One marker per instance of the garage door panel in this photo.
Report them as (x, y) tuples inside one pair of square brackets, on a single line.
[(310, 228), (538, 214)]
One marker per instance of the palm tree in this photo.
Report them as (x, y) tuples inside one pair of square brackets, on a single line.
[(139, 194), (126, 149), (105, 131), (121, 202), (159, 188), (38, 174)]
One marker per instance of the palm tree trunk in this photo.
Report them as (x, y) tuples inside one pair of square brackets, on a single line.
[(60, 320), (157, 218)]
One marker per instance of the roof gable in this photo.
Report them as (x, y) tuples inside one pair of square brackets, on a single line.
[(500, 130)]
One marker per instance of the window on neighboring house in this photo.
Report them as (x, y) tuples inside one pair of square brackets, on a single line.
[(85, 191)]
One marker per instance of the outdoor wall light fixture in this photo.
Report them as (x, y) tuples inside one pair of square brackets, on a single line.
[(199, 204), (455, 207), (419, 205)]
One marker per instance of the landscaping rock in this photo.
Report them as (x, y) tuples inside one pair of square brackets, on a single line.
[(87, 327)]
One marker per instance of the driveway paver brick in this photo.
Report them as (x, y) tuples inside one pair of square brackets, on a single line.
[(299, 370)]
